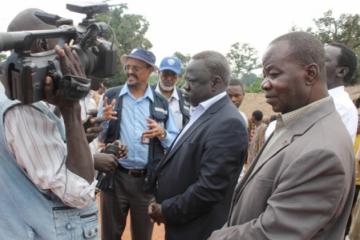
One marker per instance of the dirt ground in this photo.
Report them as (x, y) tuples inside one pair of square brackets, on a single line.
[(158, 233), (256, 101)]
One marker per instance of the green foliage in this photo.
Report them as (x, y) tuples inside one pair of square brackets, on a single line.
[(129, 31), (248, 79), (345, 30), (180, 82), (242, 58), (153, 79), (2, 57), (254, 87), (185, 59)]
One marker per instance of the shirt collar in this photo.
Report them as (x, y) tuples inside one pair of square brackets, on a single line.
[(336, 90), (148, 92), (208, 103), (287, 118)]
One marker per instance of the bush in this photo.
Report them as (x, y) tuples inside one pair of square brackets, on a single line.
[(254, 87)]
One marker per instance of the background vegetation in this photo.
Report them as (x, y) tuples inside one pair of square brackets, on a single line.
[(130, 30)]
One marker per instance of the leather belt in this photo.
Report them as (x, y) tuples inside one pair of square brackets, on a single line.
[(133, 172), (60, 208)]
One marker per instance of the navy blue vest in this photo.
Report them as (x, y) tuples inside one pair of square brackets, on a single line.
[(156, 150)]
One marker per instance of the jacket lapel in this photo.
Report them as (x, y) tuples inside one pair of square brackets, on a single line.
[(265, 156)]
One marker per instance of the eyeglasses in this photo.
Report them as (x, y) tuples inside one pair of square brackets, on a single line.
[(134, 68)]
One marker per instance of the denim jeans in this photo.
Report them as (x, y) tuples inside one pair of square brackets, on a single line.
[(76, 224)]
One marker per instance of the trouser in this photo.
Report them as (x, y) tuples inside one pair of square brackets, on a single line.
[(127, 194)]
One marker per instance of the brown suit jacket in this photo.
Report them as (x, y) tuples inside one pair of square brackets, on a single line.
[(302, 188)]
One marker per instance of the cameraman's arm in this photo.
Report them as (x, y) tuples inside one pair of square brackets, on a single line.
[(79, 158)]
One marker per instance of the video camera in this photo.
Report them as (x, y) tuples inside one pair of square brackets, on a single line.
[(24, 72)]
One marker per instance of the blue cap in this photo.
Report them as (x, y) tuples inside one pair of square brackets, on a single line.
[(142, 55), (172, 64)]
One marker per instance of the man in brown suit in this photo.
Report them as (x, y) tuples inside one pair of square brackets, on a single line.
[(301, 184)]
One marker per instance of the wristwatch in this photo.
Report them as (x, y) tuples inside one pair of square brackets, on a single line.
[(163, 135)]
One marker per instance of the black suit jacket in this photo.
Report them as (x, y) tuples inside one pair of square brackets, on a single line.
[(196, 178)]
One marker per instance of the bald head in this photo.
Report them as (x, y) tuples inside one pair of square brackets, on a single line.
[(305, 49)]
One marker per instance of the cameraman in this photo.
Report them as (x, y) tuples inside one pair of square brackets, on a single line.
[(36, 19), (47, 183)]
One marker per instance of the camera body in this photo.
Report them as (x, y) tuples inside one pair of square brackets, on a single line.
[(24, 72)]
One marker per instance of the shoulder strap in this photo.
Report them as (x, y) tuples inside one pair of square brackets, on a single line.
[(41, 107)]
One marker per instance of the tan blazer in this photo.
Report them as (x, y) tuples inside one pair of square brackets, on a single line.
[(302, 188)]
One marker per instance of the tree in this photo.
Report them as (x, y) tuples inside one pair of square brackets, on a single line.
[(242, 58), (255, 86), (185, 59), (345, 30), (2, 57), (129, 31)]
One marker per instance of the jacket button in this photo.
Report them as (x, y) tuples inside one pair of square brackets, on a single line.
[(157, 184)]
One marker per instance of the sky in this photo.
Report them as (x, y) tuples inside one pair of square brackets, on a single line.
[(191, 26)]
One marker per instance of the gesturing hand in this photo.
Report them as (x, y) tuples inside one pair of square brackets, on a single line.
[(108, 110), (155, 130)]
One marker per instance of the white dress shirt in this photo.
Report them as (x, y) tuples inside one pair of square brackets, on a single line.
[(346, 109), (270, 129), (38, 148), (2, 89), (196, 112), (87, 104), (245, 119)]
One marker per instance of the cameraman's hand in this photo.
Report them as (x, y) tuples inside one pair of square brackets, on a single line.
[(105, 162), (70, 65)]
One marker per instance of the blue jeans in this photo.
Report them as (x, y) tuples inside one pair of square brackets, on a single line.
[(76, 224)]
